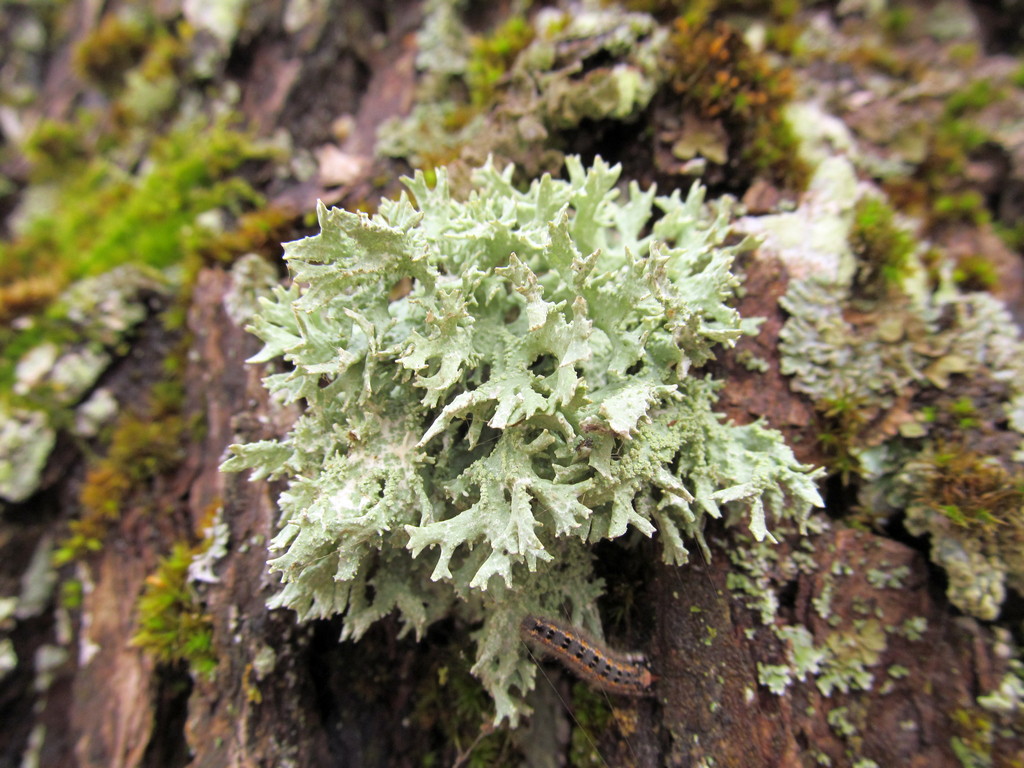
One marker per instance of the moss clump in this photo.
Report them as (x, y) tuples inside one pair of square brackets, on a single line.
[(141, 64), (142, 447), (259, 231), (453, 704), (173, 627), (593, 716), (492, 56), (974, 733), (103, 217), (973, 492), (937, 189), (844, 420), (105, 233), (114, 47), (973, 97), (730, 90), (975, 273), (882, 248), (27, 295), (55, 149)]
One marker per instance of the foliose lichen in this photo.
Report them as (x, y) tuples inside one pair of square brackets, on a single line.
[(504, 381), (903, 377), (972, 510), (54, 362), (554, 71)]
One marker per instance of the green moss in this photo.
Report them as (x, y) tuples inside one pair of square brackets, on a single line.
[(453, 704), (103, 216), (1018, 76), (896, 21), (972, 490), (700, 12), (173, 626), (71, 593), (844, 419), (55, 148), (964, 54), (114, 47), (491, 57), (259, 231), (964, 410), (967, 206), (882, 248), (945, 165), (937, 190), (973, 97), (974, 734), (593, 716), (975, 273), (1012, 233), (140, 62)]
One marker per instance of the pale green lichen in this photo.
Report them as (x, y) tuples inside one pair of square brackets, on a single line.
[(813, 239), (840, 662), (503, 381), (758, 567), (914, 628), (580, 64), (92, 318), (851, 654), (252, 278), (8, 657), (25, 445), (927, 340), (840, 658), (215, 548), (973, 512), (891, 579), (867, 360), (822, 601), (898, 671), (1007, 700), (837, 718)]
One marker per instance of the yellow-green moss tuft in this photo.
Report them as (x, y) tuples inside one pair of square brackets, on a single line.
[(883, 249), (115, 46), (173, 626), (493, 55)]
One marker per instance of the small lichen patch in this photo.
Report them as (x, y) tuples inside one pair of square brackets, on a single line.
[(973, 511), (527, 83)]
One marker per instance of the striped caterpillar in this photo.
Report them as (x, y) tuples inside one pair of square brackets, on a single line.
[(625, 674)]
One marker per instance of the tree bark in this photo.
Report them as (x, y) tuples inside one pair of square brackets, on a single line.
[(82, 694)]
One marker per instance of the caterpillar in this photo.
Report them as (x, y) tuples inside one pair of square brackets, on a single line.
[(625, 674)]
